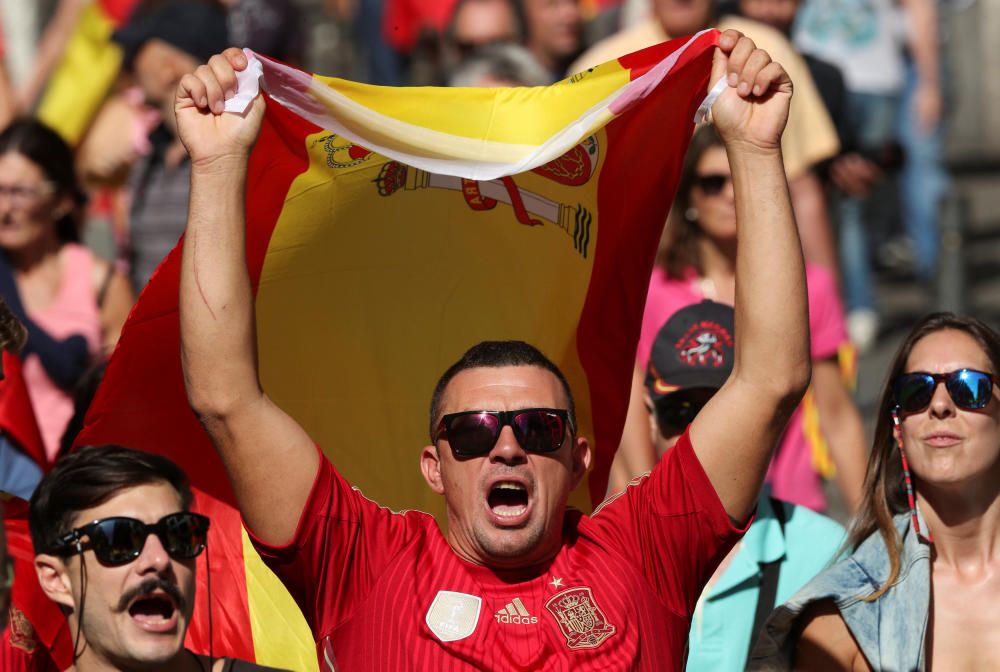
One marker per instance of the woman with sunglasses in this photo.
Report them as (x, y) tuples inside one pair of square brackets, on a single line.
[(72, 303), (921, 588), (698, 262)]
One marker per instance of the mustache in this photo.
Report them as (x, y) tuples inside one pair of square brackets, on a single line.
[(148, 586)]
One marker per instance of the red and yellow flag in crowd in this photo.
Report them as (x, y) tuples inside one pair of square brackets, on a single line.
[(86, 70), (388, 231)]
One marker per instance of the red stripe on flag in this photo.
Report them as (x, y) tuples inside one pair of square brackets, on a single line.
[(145, 373), (632, 211)]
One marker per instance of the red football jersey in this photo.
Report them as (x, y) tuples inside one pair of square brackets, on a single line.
[(384, 591)]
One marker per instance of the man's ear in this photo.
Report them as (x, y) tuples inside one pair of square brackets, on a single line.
[(53, 576), (430, 467), (581, 460)]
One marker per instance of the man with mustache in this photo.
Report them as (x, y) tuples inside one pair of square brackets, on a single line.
[(116, 546)]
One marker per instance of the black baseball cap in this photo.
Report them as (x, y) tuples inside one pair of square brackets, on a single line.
[(694, 349), (197, 27)]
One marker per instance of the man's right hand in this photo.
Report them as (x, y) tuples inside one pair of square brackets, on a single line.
[(208, 133)]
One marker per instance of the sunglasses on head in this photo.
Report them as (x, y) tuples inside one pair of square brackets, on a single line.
[(968, 388), (119, 540), (474, 433), (712, 184)]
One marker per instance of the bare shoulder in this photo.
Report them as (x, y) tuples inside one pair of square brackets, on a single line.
[(825, 642)]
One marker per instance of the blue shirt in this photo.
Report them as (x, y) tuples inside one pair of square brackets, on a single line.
[(720, 630)]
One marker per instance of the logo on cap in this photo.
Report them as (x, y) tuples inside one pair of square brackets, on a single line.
[(703, 345)]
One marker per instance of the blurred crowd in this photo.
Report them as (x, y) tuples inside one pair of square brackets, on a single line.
[(94, 181)]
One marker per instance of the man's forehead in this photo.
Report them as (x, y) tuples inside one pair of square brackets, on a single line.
[(147, 502), (503, 388)]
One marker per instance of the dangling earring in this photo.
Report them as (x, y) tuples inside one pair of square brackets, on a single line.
[(897, 432), (691, 214)]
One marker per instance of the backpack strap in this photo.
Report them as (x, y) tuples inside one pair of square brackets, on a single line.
[(769, 571)]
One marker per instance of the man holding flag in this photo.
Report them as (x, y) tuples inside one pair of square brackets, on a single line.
[(517, 581)]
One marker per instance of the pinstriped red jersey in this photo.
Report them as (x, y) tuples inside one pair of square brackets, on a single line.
[(384, 590)]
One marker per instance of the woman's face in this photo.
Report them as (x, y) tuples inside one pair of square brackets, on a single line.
[(713, 197), (947, 445), (29, 206)]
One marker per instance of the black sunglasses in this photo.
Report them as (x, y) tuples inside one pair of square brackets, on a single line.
[(968, 388), (712, 184), (120, 540), (474, 433)]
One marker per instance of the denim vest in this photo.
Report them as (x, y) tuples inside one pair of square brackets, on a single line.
[(890, 631)]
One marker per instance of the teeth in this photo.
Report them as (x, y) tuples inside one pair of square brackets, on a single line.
[(511, 512), (509, 486)]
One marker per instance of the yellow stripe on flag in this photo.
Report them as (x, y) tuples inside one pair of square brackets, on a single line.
[(281, 636), (84, 76), (351, 321), (521, 116)]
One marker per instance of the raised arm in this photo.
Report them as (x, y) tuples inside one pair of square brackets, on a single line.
[(270, 459), (735, 433)]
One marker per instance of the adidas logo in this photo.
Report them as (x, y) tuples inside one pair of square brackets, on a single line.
[(515, 613)]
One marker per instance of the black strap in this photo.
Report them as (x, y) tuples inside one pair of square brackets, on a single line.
[(769, 572)]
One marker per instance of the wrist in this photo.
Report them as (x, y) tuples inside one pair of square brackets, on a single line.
[(746, 150), (228, 164)]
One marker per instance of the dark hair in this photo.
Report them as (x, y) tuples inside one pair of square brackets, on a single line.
[(494, 355), (680, 250), (88, 478), (45, 148), (884, 493)]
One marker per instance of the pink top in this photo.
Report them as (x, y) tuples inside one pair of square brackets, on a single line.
[(791, 476), (74, 311)]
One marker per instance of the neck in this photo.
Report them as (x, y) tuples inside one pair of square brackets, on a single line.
[(965, 522), (34, 255), (718, 261)]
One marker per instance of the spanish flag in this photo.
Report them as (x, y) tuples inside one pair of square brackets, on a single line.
[(390, 229)]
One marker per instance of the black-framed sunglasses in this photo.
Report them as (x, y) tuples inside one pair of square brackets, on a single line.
[(120, 540), (712, 184), (676, 411), (968, 388), (474, 433)]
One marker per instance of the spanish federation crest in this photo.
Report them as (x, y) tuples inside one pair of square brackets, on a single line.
[(580, 619), (453, 616)]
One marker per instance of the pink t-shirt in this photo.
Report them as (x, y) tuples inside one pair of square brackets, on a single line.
[(74, 311), (791, 476)]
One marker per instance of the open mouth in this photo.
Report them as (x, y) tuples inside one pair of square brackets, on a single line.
[(508, 499), (153, 610)]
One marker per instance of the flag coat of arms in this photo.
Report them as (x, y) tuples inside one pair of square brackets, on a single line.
[(389, 230)]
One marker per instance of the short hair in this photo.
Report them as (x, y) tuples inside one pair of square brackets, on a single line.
[(495, 355), (88, 478), (507, 62)]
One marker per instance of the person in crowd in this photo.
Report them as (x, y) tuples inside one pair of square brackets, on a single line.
[(850, 171), (785, 546), (500, 65), (72, 303), (163, 41), (554, 29), (699, 262), (516, 581), (476, 24), (865, 41), (921, 131), (919, 590), (116, 546), (810, 137), (269, 27)]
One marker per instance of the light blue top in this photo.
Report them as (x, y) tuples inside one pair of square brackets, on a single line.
[(890, 631), (720, 630)]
